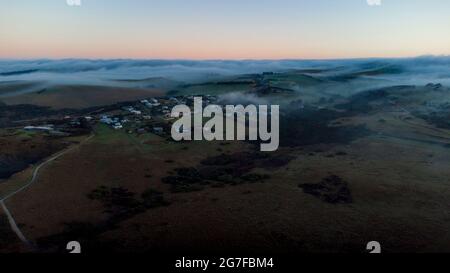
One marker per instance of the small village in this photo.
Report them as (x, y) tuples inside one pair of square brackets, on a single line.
[(151, 115)]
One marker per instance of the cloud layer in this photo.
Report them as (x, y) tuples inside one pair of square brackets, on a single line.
[(108, 72)]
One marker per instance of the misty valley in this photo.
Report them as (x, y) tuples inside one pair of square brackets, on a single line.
[(88, 155)]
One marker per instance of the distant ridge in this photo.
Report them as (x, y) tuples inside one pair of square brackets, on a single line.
[(21, 72)]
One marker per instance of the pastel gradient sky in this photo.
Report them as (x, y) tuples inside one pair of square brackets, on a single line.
[(223, 29)]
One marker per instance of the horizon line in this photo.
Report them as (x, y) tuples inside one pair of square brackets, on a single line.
[(219, 59)]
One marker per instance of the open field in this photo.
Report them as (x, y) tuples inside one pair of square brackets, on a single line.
[(252, 216), (12, 88), (213, 88), (10, 242), (59, 97)]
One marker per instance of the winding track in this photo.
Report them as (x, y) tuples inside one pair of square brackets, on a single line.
[(33, 179)]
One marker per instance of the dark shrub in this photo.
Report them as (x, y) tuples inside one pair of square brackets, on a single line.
[(331, 189)]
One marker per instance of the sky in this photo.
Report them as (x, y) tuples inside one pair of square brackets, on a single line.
[(223, 29)]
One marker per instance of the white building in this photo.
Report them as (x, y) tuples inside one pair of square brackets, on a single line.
[(38, 128)]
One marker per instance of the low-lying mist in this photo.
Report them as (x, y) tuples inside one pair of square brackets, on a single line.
[(357, 74)]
